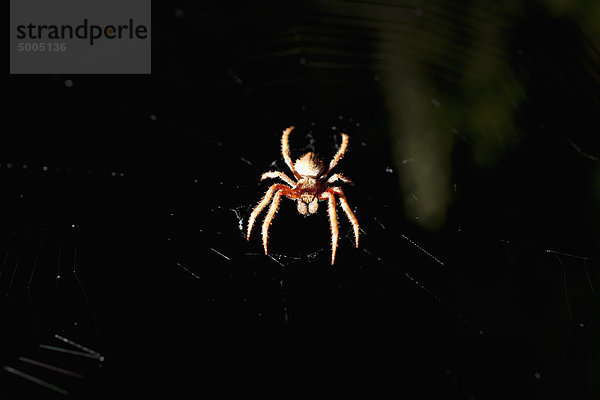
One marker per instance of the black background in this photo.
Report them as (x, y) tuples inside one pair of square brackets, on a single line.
[(138, 184)]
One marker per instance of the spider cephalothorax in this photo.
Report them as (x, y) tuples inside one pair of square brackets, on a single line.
[(312, 185)]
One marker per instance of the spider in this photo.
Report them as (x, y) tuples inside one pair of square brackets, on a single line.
[(312, 185)]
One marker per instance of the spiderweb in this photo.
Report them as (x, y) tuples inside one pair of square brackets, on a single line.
[(130, 270), (491, 294)]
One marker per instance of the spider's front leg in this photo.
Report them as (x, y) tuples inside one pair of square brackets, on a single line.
[(351, 217), (332, 222), (261, 204), (285, 191)]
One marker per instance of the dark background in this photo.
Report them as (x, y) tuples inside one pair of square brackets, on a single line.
[(472, 145)]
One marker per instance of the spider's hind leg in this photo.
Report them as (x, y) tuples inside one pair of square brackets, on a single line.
[(285, 151), (340, 153)]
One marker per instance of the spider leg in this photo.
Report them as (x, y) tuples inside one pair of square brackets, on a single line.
[(259, 207), (340, 153), (339, 177), (285, 151), (332, 222), (277, 174), (284, 191), (348, 211)]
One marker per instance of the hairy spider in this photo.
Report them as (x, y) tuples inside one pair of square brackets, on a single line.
[(312, 185)]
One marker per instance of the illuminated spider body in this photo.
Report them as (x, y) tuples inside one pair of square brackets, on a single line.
[(311, 186)]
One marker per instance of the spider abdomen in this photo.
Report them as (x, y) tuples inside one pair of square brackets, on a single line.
[(309, 165)]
